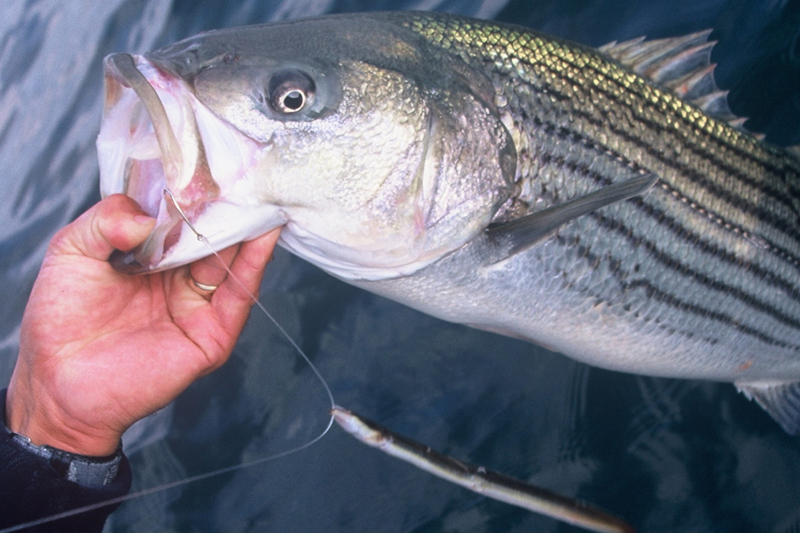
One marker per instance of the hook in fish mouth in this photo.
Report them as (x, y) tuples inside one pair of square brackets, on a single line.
[(151, 148)]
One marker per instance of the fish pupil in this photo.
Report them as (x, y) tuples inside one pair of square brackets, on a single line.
[(294, 100), (290, 91)]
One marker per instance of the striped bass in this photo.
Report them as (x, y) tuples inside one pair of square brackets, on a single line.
[(603, 203)]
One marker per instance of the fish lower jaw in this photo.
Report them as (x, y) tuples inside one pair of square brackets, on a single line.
[(221, 224)]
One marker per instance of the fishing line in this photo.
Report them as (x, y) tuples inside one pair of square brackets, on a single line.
[(220, 471), (204, 240)]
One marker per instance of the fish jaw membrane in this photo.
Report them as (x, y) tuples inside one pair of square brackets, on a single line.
[(165, 150)]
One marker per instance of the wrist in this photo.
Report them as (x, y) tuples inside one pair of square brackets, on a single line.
[(86, 471), (43, 426)]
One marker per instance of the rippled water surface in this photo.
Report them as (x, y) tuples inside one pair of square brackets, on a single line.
[(667, 455)]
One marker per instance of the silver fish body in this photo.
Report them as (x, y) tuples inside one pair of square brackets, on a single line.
[(423, 150)]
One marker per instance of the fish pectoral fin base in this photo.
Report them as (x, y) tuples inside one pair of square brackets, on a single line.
[(514, 236), (780, 400)]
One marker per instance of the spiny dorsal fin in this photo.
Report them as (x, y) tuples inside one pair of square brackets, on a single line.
[(682, 65)]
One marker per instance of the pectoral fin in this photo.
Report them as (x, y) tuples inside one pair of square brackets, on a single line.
[(514, 236), (780, 400)]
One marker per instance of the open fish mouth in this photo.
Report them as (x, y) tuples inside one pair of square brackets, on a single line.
[(183, 165)]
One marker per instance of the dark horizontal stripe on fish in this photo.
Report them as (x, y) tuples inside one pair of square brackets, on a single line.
[(669, 222), (701, 245), (723, 193), (732, 199), (676, 303), (697, 276), (766, 162), (524, 41), (717, 189), (759, 241)]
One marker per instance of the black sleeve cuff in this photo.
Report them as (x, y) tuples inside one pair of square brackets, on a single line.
[(31, 488)]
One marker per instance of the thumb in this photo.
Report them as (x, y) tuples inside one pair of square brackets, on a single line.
[(115, 223)]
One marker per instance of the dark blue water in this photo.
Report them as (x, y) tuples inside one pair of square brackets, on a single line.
[(668, 455)]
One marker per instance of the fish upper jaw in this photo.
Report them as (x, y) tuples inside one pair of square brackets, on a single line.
[(183, 165)]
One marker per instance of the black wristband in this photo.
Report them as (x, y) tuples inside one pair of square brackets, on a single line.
[(84, 470)]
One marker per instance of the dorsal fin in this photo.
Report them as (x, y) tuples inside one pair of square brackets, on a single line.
[(682, 65)]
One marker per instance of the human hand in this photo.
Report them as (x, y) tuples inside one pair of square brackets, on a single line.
[(100, 350)]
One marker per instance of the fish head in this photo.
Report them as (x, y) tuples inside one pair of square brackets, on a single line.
[(376, 153)]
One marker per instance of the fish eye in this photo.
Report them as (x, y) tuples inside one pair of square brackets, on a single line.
[(290, 91)]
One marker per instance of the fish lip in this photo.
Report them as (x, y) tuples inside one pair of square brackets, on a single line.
[(151, 148)]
